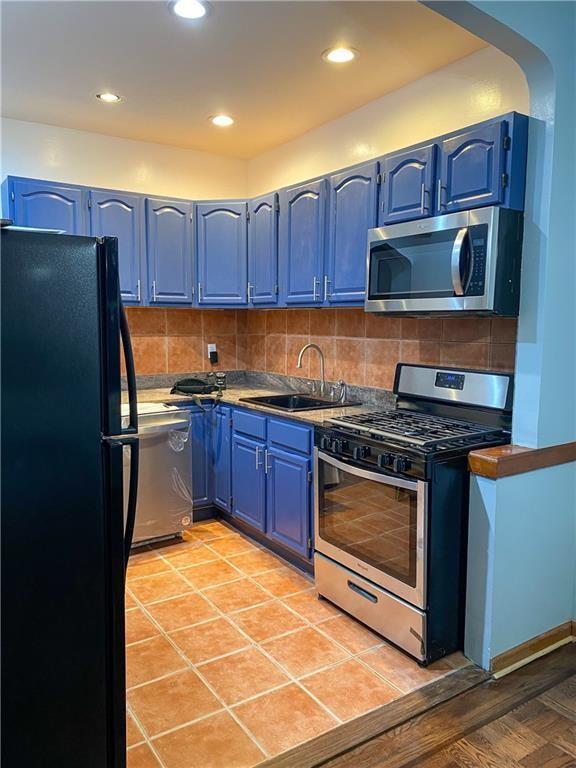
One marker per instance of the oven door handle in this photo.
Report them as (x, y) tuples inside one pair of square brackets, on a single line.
[(456, 261), (378, 477)]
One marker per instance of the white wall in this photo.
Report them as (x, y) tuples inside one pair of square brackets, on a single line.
[(80, 157), (473, 89)]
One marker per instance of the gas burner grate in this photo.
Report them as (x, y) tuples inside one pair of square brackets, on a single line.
[(418, 429)]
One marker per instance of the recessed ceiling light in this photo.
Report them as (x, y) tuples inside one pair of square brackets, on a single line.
[(222, 121), (188, 9), (109, 98), (339, 55)]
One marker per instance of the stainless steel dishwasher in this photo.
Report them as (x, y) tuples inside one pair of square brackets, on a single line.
[(164, 507)]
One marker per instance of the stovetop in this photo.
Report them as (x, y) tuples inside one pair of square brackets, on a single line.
[(441, 415), (403, 442), (418, 430)]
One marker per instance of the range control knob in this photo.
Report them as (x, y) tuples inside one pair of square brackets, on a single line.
[(361, 451), (401, 464), (325, 443), (338, 446), (385, 460)]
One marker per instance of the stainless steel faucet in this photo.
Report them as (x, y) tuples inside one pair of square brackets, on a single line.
[(299, 363)]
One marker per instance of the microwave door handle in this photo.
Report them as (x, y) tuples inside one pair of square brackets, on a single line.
[(455, 261)]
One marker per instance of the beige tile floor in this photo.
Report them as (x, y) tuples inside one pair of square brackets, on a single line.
[(231, 658)]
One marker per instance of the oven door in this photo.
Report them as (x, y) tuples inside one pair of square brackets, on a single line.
[(374, 524)]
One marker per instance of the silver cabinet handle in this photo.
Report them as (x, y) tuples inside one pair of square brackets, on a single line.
[(440, 188), (327, 283), (455, 261), (199, 293), (138, 294), (423, 207), (258, 462), (267, 465), (315, 289), (153, 290), (250, 294)]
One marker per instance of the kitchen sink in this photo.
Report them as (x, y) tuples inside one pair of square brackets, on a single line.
[(295, 402)]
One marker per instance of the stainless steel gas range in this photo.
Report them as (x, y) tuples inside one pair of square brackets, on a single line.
[(391, 504)]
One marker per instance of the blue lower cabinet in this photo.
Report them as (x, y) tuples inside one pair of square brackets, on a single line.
[(249, 481), (288, 500), (221, 456), (201, 459)]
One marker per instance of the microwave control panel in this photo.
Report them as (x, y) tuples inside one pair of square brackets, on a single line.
[(476, 281)]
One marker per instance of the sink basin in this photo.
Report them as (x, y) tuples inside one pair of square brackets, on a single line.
[(295, 402)]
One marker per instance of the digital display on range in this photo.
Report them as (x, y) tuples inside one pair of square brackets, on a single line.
[(448, 380)]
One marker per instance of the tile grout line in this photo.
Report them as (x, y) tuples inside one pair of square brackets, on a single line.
[(192, 666), (229, 618), (274, 661)]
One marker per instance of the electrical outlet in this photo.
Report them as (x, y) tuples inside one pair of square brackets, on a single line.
[(212, 354), (211, 348)]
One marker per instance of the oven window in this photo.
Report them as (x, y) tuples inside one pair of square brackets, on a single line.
[(418, 266), (371, 521)]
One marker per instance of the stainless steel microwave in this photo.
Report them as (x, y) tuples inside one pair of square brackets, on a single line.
[(465, 262)]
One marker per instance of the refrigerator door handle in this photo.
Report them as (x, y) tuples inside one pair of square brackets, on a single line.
[(130, 373), (134, 446)]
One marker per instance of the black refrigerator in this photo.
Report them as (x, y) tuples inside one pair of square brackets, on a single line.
[(65, 534)]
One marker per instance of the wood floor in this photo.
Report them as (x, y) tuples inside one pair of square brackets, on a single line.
[(524, 720)]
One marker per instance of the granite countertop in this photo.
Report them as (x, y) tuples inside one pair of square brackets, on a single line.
[(233, 394)]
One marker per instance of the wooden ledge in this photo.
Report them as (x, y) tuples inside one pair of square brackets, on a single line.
[(506, 460)]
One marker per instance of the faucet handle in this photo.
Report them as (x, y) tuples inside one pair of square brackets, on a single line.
[(342, 384)]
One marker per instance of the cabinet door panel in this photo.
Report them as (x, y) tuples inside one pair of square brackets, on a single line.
[(201, 463), (302, 222), (408, 185), (169, 249), (221, 254), (49, 206), (352, 211), (248, 481), (471, 169), (288, 516), (117, 214), (263, 250), (221, 455)]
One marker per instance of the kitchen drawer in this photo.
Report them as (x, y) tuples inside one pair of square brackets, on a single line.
[(392, 618), (289, 435), (250, 424)]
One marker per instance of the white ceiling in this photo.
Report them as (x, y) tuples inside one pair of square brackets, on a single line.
[(258, 61)]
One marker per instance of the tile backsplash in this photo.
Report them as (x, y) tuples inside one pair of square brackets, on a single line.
[(360, 348)]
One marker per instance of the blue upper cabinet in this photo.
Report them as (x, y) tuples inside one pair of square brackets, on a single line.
[(169, 250), (302, 225), (351, 212), (48, 206), (118, 214), (222, 253), (288, 500), (473, 168), (263, 250), (407, 185)]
